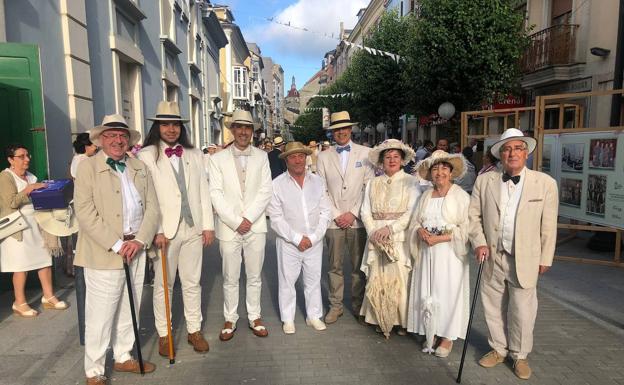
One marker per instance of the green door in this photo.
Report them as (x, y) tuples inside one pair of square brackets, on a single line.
[(21, 104)]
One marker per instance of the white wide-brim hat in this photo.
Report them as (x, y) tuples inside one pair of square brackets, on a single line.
[(113, 122), (168, 112), (59, 222), (513, 134), (441, 156), (374, 156)]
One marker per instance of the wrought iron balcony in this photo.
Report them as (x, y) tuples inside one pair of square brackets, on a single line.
[(552, 46)]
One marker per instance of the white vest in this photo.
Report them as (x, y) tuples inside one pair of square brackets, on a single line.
[(509, 201)]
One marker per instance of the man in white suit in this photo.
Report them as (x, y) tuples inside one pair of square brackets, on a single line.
[(186, 220), (513, 227), (240, 188), (346, 170)]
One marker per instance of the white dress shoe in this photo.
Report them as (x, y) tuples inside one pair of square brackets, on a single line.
[(289, 328), (317, 324)]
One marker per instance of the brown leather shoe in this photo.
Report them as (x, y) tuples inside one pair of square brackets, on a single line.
[(97, 380), (332, 315), (258, 329), (132, 366), (163, 346), (522, 369), (491, 359), (227, 333), (198, 341)]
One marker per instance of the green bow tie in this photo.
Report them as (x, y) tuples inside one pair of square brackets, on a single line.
[(116, 164)]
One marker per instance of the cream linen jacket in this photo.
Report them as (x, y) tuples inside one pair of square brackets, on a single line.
[(99, 209), (535, 231), (346, 191), (227, 198), (168, 192)]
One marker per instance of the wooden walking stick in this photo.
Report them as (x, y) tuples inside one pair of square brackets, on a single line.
[(163, 257), (135, 325), (472, 309)]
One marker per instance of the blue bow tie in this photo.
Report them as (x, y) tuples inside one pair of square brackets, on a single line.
[(346, 148)]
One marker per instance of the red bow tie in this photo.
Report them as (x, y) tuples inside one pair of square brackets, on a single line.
[(177, 151)]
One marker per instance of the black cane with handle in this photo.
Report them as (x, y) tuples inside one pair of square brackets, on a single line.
[(134, 318), (472, 309)]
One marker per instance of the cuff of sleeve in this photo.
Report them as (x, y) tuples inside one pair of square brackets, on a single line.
[(296, 238), (313, 239), (117, 246)]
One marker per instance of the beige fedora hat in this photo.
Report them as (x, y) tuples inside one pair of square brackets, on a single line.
[(168, 111), (441, 156), (339, 120), (242, 117), (59, 222), (374, 156), (113, 122), (278, 141), (513, 134), (293, 148)]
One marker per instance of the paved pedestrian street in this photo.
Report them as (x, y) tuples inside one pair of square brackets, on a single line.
[(569, 348)]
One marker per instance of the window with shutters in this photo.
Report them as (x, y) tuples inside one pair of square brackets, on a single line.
[(241, 83)]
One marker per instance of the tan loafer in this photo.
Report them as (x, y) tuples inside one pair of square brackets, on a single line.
[(132, 366), (97, 380), (200, 345), (227, 333), (258, 328), (332, 315), (163, 346), (522, 369), (491, 359)]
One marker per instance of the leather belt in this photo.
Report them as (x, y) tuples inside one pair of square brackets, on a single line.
[(128, 237)]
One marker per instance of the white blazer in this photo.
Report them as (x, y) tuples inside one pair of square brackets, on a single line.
[(168, 192), (228, 200)]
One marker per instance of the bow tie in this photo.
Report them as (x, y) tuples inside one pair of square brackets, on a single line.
[(116, 165), (177, 151), (514, 179), (246, 152), (346, 148)]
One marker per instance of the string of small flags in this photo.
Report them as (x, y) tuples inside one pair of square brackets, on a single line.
[(373, 51), (310, 109), (344, 95)]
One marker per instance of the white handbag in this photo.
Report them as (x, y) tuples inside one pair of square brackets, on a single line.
[(11, 224)]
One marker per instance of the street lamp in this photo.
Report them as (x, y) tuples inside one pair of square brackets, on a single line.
[(446, 110)]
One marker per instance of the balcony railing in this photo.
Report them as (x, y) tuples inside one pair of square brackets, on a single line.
[(550, 47)]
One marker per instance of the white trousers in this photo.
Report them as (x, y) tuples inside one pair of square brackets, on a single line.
[(108, 320), (290, 263), (184, 255), (250, 249), (510, 310)]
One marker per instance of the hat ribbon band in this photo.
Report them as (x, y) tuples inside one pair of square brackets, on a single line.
[(115, 124), (165, 116), (341, 121)]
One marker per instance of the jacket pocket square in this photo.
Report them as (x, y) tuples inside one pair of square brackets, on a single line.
[(535, 200)]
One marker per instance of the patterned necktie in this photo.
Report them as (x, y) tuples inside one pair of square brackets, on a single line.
[(514, 179), (116, 165), (346, 148), (177, 151)]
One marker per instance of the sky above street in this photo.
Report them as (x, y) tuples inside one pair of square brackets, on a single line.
[(299, 52)]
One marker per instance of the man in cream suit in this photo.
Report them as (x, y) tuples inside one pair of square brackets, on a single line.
[(240, 188), (186, 217), (346, 170), (513, 228), (117, 211)]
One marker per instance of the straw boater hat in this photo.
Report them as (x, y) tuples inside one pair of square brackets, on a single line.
[(59, 222), (326, 143), (242, 117), (513, 134), (168, 112), (113, 122), (440, 156), (374, 156), (339, 120), (293, 148), (278, 141)]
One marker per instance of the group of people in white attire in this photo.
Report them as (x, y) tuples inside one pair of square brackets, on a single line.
[(408, 249)]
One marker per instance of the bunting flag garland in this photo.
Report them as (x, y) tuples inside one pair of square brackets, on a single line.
[(310, 109), (373, 51), (346, 94)]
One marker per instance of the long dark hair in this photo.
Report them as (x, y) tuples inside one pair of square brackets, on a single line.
[(153, 137), (81, 142)]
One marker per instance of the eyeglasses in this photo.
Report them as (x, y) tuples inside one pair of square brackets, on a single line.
[(23, 156), (116, 136), (509, 149)]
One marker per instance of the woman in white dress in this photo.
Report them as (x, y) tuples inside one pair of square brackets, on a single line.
[(438, 304), (26, 249), (389, 200)]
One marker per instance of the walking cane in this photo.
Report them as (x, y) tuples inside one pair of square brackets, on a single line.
[(163, 257), (472, 309), (134, 318)]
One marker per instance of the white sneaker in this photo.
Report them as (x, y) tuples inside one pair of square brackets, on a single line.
[(317, 324), (289, 328)]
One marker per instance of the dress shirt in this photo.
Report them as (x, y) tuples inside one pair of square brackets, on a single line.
[(344, 156), (509, 201), (296, 211), (132, 208), (241, 156)]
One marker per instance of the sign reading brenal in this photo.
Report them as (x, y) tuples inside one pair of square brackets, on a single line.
[(589, 169)]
